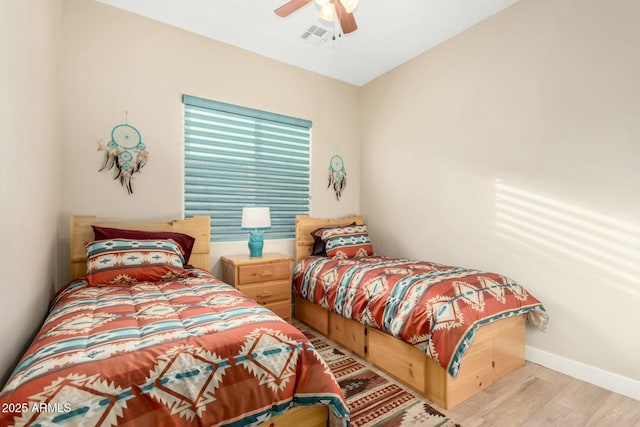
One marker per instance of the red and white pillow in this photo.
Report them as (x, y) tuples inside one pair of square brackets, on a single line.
[(347, 242), (129, 261), (318, 243), (185, 241)]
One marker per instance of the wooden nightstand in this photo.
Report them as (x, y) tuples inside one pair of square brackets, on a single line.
[(266, 279)]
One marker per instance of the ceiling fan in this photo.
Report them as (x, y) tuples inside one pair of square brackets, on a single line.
[(329, 9)]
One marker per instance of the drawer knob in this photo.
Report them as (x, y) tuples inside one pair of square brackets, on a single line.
[(263, 297), (265, 273)]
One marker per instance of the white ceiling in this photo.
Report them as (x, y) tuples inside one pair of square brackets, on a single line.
[(390, 32)]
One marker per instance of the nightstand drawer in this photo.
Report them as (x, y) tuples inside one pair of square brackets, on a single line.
[(265, 279), (282, 309), (264, 272), (267, 293)]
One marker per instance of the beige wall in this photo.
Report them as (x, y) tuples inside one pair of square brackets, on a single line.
[(514, 147), (114, 61), (30, 33)]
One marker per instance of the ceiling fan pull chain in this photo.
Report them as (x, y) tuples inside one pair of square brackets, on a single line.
[(337, 29), (333, 36)]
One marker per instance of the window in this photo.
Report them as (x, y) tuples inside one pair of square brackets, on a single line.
[(237, 157)]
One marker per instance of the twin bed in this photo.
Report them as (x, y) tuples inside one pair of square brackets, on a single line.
[(394, 312), (145, 335), (140, 338)]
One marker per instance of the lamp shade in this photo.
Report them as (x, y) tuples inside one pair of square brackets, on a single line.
[(256, 217)]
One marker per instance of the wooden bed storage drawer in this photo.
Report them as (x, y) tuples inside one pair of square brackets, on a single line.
[(404, 362), (282, 309), (475, 374), (312, 315), (264, 272), (310, 416), (509, 347), (348, 333)]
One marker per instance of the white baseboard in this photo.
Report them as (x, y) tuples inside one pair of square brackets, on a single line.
[(605, 379)]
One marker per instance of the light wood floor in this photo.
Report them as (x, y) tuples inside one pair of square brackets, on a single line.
[(537, 396)]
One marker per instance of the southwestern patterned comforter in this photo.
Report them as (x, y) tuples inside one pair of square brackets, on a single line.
[(191, 351), (437, 308)]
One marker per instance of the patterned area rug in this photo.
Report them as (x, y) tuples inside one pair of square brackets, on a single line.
[(374, 398)]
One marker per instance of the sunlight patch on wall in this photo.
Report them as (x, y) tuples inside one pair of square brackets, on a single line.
[(605, 244)]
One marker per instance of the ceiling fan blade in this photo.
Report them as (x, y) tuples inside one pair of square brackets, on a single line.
[(290, 7), (347, 21)]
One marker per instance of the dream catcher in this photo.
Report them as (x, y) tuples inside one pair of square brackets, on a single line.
[(337, 175), (126, 152)]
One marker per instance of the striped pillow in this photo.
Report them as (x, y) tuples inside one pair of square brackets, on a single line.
[(347, 242), (128, 261), (318, 243)]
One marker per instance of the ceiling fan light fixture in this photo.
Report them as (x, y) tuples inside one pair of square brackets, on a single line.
[(328, 12), (322, 2), (349, 5)]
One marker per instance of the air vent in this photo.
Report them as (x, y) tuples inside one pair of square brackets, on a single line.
[(316, 34)]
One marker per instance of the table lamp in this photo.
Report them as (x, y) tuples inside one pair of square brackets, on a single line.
[(255, 218)]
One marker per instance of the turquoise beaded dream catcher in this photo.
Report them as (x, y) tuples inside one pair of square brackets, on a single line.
[(125, 152), (337, 175)]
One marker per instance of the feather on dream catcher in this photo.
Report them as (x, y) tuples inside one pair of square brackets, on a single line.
[(125, 152), (337, 175)]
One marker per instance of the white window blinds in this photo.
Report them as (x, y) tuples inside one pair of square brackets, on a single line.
[(237, 157)]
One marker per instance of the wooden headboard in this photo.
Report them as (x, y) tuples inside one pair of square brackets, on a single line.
[(81, 233), (306, 224)]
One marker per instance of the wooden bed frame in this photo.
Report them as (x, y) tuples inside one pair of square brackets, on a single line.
[(497, 349), (198, 227), (81, 233)]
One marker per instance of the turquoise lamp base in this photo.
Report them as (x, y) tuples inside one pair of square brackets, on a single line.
[(256, 243)]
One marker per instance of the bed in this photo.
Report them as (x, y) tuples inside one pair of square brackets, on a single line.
[(139, 338), (446, 331)]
